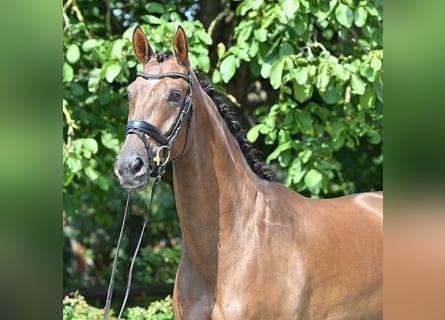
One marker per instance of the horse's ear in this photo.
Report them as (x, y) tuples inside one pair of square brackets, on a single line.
[(141, 47), (180, 45)]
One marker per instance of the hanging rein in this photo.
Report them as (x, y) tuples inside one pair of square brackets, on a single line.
[(141, 128)]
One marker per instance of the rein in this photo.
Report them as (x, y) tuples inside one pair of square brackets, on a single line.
[(142, 128), (130, 272)]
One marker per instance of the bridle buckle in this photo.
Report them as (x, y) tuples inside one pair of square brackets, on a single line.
[(162, 161)]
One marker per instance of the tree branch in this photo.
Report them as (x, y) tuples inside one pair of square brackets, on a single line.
[(218, 18), (65, 16)]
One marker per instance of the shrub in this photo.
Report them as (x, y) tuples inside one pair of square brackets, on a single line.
[(75, 307)]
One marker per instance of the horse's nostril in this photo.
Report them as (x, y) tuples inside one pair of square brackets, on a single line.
[(137, 165)]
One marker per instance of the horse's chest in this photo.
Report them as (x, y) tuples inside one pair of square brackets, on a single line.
[(253, 289)]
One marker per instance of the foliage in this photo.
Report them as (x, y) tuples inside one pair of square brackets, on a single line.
[(157, 310), (325, 58), (76, 308)]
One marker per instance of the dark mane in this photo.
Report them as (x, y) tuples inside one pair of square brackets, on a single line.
[(223, 105)]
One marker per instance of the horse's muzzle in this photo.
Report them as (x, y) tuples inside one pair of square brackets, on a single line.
[(133, 172)]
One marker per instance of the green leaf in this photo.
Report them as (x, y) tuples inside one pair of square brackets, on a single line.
[(301, 75), (109, 141), (367, 100), (290, 7), (312, 180), (276, 74), (330, 95), (260, 35), (304, 120), (68, 73), (360, 16), (286, 49), (73, 53), (91, 173), (221, 50), (323, 76), (254, 132), (302, 93), (376, 63), (300, 26), (305, 155), (241, 53), (296, 172), (266, 67), (350, 67), (75, 165), (374, 136), (378, 90), (151, 19), (216, 76), (91, 145), (340, 72), (255, 4), (112, 72), (90, 44), (203, 36), (102, 182), (228, 67), (116, 50), (373, 11), (344, 15), (244, 34), (203, 62), (357, 84), (253, 48), (337, 128), (284, 158), (94, 80), (280, 149), (154, 7)]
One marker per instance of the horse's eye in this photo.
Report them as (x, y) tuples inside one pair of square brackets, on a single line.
[(175, 96), (126, 93)]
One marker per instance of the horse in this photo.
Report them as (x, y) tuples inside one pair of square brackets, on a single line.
[(251, 247)]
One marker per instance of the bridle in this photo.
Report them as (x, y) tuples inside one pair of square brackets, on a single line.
[(142, 128)]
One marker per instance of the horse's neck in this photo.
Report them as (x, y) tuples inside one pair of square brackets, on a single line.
[(210, 179)]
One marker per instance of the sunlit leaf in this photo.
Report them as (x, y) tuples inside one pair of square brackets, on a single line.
[(260, 34), (313, 179), (276, 74), (91, 43), (73, 53), (344, 15), (112, 72), (68, 73), (357, 84), (228, 68), (360, 16), (323, 76), (91, 145), (91, 173), (301, 75)]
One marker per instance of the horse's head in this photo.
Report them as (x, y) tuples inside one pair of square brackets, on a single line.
[(159, 102)]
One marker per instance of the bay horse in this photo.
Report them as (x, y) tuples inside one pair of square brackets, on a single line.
[(252, 248)]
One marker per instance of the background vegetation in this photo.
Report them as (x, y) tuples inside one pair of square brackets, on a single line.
[(306, 77)]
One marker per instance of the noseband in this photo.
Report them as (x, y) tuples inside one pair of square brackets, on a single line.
[(142, 128)]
